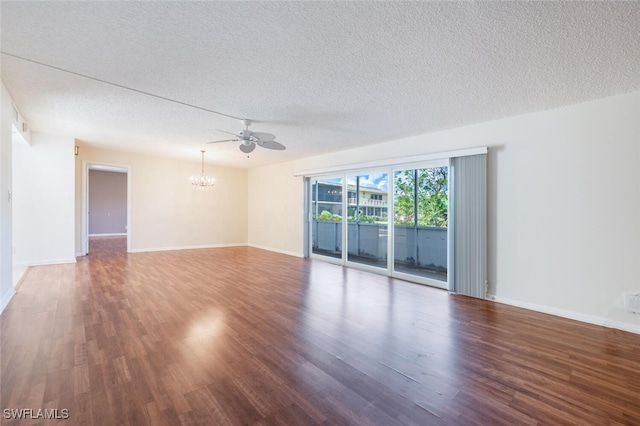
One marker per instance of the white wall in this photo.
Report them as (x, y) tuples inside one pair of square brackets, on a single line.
[(43, 200), (563, 204), (6, 273), (166, 211)]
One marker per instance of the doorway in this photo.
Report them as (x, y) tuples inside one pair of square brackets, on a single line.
[(106, 206), (326, 217), (420, 224), (367, 215), (392, 221)]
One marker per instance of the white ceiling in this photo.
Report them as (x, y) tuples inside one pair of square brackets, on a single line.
[(322, 76)]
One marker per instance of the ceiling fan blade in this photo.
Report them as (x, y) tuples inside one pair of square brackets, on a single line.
[(272, 145), (224, 131), (247, 148), (224, 140), (264, 137)]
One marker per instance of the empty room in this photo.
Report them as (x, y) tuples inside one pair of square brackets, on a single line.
[(300, 213)]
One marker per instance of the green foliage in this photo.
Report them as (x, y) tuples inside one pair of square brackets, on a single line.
[(367, 219), (433, 201), (362, 218), (326, 216)]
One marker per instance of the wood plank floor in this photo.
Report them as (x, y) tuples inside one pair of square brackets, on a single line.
[(245, 336)]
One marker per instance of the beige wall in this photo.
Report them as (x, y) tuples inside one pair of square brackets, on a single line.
[(276, 209), (166, 211), (563, 204)]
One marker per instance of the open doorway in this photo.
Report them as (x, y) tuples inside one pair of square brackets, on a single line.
[(106, 207)]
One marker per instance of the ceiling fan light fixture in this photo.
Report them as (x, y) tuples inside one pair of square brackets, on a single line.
[(250, 139), (202, 181), (247, 147)]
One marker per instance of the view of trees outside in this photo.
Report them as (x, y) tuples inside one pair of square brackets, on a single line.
[(328, 217), (428, 186), (419, 206), (431, 186)]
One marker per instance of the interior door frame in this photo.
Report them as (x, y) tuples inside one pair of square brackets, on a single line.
[(86, 166)]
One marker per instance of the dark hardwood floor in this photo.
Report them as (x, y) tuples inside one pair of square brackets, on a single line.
[(245, 336)]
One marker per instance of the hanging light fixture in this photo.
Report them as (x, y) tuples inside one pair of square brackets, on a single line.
[(203, 181)]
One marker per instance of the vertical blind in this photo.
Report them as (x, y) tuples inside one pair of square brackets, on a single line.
[(469, 224)]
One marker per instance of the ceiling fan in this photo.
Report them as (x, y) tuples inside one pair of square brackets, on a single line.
[(250, 139)]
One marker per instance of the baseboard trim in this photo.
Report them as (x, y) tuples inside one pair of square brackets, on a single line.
[(210, 246), (46, 262), (108, 235), (6, 299), (577, 316), (275, 250), (175, 248), (23, 273)]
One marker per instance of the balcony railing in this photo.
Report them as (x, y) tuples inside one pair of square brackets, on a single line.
[(415, 246), (368, 202)]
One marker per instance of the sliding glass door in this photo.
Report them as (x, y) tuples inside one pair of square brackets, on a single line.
[(326, 216), (393, 221), (422, 219), (420, 222), (367, 219)]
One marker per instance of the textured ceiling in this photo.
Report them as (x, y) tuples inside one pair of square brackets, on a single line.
[(322, 76)]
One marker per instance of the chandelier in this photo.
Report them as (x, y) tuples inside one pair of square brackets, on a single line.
[(203, 181)]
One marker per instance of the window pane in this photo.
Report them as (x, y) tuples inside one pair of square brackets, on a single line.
[(420, 222), (326, 223), (367, 219)]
